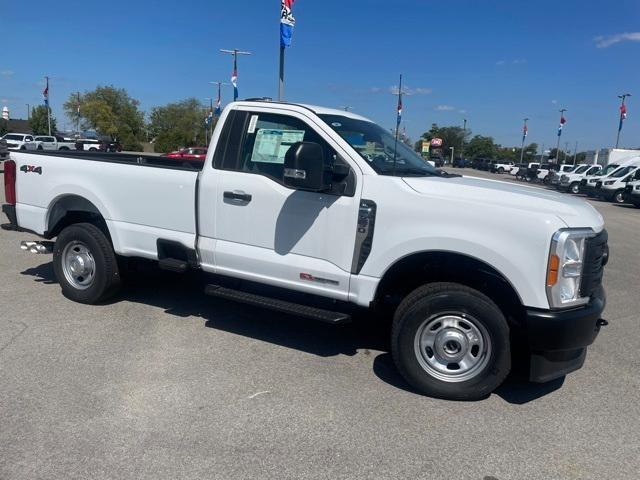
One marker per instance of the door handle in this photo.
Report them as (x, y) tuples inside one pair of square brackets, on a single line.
[(244, 197)]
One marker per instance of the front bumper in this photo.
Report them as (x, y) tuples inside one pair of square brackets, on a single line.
[(558, 339)]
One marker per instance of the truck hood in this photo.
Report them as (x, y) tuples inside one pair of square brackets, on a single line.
[(495, 194)]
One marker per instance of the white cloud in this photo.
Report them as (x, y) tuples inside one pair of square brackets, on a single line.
[(462, 111), (6, 73), (519, 61), (604, 41), (375, 89), (410, 91), (554, 101), (445, 108), (500, 62)]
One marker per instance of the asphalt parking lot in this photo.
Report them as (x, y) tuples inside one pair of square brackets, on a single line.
[(166, 383)]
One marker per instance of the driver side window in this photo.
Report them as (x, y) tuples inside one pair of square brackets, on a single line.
[(267, 139)]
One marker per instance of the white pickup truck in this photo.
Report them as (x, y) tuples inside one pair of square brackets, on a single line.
[(325, 203), (54, 143)]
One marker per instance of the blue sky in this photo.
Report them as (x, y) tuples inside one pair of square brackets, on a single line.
[(492, 62)]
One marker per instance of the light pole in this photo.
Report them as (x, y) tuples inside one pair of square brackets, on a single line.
[(562, 110), (575, 153), (452, 150), (524, 136), (234, 75), (28, 112), (219, 99), (566, 149), (623, 114)]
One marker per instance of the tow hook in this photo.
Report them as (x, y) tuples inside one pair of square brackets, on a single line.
[(36, 247), (601, 323)]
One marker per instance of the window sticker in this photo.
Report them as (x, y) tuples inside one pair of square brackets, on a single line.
[(252, 124), (271, 145)]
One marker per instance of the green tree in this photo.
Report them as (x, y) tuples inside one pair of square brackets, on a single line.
[(4, 126), (39, 122), (179, 124), (111, 112), (481, 147)]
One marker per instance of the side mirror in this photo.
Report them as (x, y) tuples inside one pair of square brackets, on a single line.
[(305, 168)]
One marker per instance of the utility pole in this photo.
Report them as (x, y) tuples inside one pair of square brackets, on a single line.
[(566, 150), (464, 134), (575, 153), (623, 114), (28, 112), (234, 75), (542, 153), (207, 120), (524, 136), (48, 107), (562, 110)]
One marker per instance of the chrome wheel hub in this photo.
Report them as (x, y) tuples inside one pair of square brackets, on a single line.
[(78, 265), (452, 347)]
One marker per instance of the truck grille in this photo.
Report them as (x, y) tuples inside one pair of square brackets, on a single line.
[(595, 258)]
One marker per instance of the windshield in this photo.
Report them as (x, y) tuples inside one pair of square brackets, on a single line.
[(581, 169), (621, 172), (379, 147), (593, 170)]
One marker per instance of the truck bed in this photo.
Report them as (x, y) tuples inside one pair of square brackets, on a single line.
[(142, 198)]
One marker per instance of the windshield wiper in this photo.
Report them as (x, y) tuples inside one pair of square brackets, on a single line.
[(413, 171)]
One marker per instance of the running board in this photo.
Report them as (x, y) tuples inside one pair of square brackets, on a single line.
[(269, 303)]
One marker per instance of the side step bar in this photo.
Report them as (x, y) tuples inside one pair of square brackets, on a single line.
[(269, 303), (173, 265)]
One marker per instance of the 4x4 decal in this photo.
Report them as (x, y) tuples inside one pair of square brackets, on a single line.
[(31, 168)]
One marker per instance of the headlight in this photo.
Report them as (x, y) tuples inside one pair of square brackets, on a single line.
[(609, 182), (564, 270)]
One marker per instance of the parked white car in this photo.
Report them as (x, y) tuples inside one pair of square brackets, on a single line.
[(632, 193), (571, 181), (325, 204), (20, 141), (502, 167)]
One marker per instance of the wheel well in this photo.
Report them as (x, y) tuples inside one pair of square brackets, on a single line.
[(72, 209), (427, 267)]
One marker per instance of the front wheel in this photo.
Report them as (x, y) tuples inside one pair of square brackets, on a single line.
[(575, 188), (85, 264), (501, 170), (451, 341), (618, 197)]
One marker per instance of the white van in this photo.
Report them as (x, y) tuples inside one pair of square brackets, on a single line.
[(612, 186), (570, 182)]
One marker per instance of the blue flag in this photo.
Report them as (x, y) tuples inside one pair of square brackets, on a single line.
[(287, 22)]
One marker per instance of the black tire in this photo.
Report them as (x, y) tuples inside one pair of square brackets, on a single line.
[(40, 147), (501, 170), (636, 204), (106, 276), (428, 302), (22, 147), (92, 149), (618, 197), (574, 188)]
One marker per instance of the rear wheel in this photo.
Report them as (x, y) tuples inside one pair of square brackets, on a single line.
[(618, 197), (93, 149), (501, 170), (451, 341), (85, 264), (574, 188)]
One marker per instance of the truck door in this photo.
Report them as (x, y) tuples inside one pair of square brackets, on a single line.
[(269, 233)]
